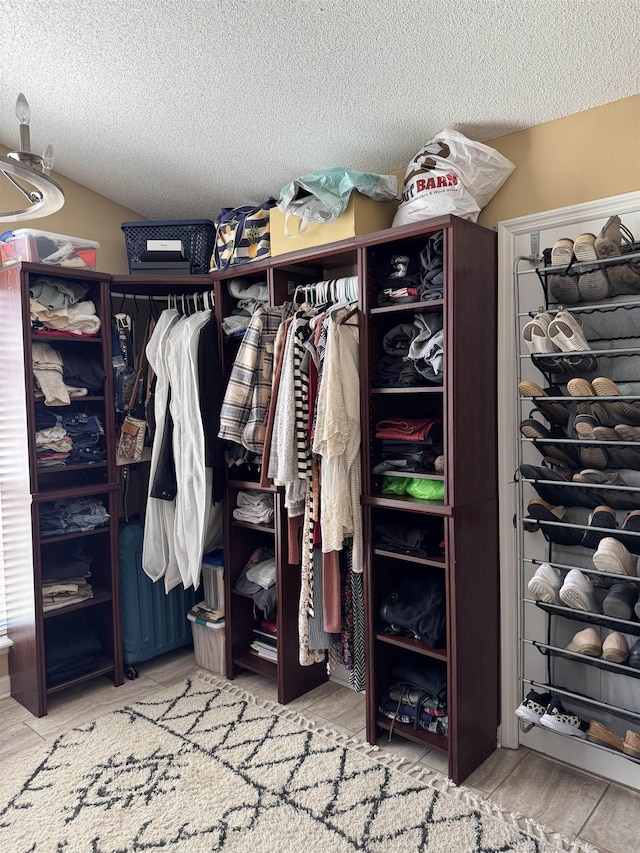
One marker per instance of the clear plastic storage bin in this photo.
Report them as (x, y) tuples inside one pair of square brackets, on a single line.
[(44, 247), (208, 643), (213, 581)]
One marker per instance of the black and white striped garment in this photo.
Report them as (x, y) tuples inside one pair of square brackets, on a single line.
[(301, 333)]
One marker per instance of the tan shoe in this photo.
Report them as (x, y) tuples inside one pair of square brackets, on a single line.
[(597, 733), (615, 648), (631, 745), (614, 558), (586, 642), (624, 278), (593, 285)]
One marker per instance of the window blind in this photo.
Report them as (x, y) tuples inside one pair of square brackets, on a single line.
[(16, 555)]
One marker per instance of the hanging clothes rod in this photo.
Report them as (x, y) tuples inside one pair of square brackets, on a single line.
[(332, 290), (200, 300)]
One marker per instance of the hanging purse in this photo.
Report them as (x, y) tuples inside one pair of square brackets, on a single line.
[(134, 429)]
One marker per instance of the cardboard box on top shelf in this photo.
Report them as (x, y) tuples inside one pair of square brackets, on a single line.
[(363, 215)]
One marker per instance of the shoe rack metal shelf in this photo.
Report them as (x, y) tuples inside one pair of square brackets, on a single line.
[(595, 745), (585, 570), (621, 625), (556, 651), (612, 329), (631, 716)]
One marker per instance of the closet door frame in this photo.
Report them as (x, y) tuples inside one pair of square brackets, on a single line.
[(509, 233)]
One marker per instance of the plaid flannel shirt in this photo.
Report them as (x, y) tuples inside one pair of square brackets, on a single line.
[(245, 407)]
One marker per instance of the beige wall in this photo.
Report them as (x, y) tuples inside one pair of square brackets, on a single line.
[(583, 157), (85, 214), (4, 665)]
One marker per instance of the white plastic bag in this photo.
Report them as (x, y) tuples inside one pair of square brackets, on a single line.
[(451, 174)]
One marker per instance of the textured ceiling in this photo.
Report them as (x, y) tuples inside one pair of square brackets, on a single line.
[(176, 109)]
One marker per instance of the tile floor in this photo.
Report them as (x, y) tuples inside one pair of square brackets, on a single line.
[(565, 800)]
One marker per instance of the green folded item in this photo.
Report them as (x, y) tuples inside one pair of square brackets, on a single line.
[(395, 485), (426, 490)]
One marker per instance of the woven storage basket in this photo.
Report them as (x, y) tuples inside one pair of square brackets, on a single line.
[(196, 234)]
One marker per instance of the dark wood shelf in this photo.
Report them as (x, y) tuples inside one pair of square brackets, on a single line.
[(100, 596), (437, 562), (53, 339), (409, 475), (412, 645), (408, 503), (84, 466), (416, 735), (250, 486), (413, 307), (414, 389), (104, 668), (79, 534), (250, 660), (89, 398), (263, 528), (85, 491)]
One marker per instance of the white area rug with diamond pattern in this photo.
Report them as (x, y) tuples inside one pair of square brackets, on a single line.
[(204, 767)]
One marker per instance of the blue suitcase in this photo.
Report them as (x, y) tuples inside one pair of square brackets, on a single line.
[(153, 623)]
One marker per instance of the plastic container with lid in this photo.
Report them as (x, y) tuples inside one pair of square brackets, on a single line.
[(213, 580), (208, 641), (44, 247)]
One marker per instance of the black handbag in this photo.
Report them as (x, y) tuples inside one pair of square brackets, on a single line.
[(416, 609)]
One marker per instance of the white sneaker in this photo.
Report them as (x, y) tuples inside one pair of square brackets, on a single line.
[(545, 584), (577, 592), (533, 706), (558, 719), (534, 333)]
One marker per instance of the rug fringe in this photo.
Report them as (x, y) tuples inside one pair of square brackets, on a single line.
[(430, 777)]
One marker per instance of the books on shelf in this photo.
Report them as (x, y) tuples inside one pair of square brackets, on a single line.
[(264, 651)]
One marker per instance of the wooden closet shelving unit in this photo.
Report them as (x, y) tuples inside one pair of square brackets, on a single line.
[(242, 538), (25, 487), (467, 518)]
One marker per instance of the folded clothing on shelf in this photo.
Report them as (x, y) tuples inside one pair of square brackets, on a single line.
[(72, 515), (409, 538), (79, 319), (408, 444), (260, 564), (406, 705), (410, 429), (57, 594), (414, 352), (75, 437), (81, 369), (64, 560), (256, 507), (72, 648), (414, 276), (54, 293), (250, 296)]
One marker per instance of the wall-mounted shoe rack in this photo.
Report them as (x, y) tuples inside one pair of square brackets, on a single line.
[(579, 484)]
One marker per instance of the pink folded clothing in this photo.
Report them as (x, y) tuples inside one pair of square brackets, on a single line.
[(406, 429)]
